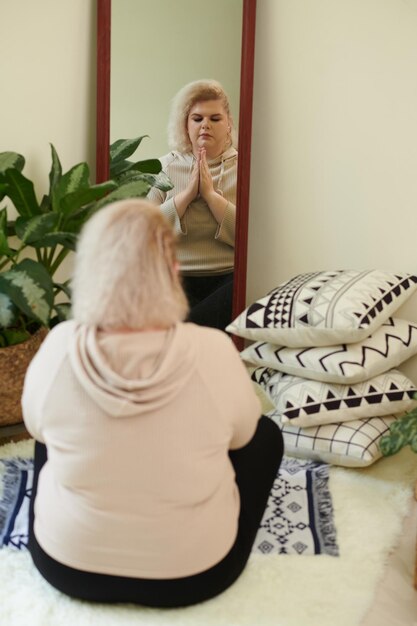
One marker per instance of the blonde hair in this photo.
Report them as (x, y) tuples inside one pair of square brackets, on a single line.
[(125, 274), (181, 105)]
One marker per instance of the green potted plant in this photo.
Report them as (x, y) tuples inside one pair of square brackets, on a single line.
[(34, 244), (403, 432)]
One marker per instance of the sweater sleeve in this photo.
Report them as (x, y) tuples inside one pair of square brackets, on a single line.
[(247, 411), (168, 208), (237, 401), (226, 230), (40, 377)]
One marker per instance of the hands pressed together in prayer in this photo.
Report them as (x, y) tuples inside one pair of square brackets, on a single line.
[(201, 183)]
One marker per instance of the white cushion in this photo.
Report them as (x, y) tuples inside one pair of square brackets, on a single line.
[(391, 344), (306, 403), (325, 308), (351, 444)]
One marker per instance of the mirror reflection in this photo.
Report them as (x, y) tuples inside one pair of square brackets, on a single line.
[(201, 206), (157, 48)]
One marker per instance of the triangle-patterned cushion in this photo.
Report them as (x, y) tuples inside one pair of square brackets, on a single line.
[(307, 403), (325, 308)]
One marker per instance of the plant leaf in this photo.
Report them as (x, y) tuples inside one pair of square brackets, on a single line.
[(11, 232), (64, 287), (129, 176), (14, 336), (402, 432), (119, 167), (150, 166), (78, 199), (76, 178), (50, 240), (45, 205), (161, 180), (136, 189), (32, 229), (8, 311), (63, 311), (11, 160), (123, 148), (21, 192), (392, 443), (55, 173), (30, 288), (3, 188), (4, 244), (76, 221)]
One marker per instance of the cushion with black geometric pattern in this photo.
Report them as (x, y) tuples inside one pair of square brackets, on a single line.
[(325, 308), (350, 444), (302, 402), (388, 346)]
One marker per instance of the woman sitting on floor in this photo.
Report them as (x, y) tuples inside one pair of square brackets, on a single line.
[(152, 463)]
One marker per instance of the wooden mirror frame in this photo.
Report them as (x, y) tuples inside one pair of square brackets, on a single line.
[(245, 130)]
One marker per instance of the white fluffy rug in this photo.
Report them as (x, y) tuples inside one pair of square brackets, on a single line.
[(274, 590)]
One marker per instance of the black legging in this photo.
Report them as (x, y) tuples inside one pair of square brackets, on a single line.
[(256, 466), (210, 299)]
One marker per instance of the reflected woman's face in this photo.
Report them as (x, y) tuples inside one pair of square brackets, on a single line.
[(208, 127)]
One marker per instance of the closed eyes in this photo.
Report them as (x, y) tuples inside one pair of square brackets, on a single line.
[(214, 118)]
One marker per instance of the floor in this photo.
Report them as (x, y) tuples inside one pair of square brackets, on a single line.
[(395, 602)]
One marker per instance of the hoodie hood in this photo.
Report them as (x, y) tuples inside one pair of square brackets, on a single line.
[(229, 153), (132, 373)]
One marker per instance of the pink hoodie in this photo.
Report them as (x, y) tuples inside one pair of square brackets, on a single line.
[(138, 427)]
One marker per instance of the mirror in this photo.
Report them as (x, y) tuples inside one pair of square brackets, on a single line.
[(244, 114)]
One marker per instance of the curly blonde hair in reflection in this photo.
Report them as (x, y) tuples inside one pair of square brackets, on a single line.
[(125, 270), (181, 105)]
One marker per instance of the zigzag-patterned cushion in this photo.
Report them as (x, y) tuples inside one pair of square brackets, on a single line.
[(306, 403), (325, 308), (391, 344)]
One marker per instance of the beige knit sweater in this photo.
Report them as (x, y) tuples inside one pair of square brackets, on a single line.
[(203, 246), (138, 426)]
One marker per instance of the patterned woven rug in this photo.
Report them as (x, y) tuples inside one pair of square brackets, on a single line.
[(298, 518), (16, 480), (299, 515)]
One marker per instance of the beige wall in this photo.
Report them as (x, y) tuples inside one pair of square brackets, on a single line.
[(47, 51), (157, 47), (48, 80), (334, 160)]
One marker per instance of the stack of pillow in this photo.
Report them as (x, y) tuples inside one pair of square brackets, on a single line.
[(325, 352)]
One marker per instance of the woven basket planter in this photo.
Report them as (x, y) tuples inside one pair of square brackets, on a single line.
[(14, 361)]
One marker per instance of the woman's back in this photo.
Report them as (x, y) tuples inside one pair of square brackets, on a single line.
[(138, 426)]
